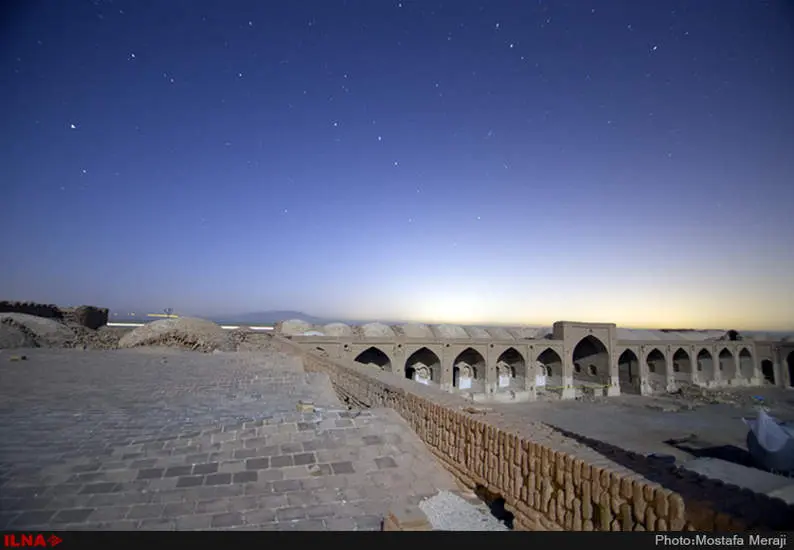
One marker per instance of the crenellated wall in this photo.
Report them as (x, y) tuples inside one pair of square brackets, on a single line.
[(550, 480), (87, 316)]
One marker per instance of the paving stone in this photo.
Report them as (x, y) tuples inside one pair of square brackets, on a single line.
[(178, 471), (157, 524), (369, 523), (124, 525), (303, 459), (301, 498), (213, 506), (258, 517), (218, 479), (245, 477), (188, 434), (209, 468), (281, 461), (230, 519), (385, 462), (110, 513), (75, 515), (150, 473), (190, 481), (303, 525), (177, 509), (39, 517), (257, 463), (342, 468), (193, 522), (286, 486), (290, 513), (96, 488)]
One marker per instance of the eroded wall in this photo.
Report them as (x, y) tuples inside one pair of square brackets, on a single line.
[(87, 316)]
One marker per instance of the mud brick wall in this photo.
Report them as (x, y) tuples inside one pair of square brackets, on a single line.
[(609, 489), (87, 316), (50, 311)]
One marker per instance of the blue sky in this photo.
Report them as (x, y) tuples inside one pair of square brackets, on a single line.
[(478, 162)]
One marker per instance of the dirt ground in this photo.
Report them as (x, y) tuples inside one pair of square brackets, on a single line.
[(711, 420)]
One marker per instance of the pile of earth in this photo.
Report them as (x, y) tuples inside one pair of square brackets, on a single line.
[(184, 332), (699, 396), (243, 340), (21, 330)]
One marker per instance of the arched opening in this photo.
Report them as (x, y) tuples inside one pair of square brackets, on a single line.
[(746, 364), (657, 369), (423, 366), (511, 369), (768, 370), (705, 363), (629, 372), (468, 371), (592, 357), (682, 365), (374, 357), (727, 365), (549, 367), (790, 363)]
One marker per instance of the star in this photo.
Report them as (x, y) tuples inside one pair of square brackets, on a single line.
[(73, 126)]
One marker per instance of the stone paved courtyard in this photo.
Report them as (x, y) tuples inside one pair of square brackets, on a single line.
[(164, 439)]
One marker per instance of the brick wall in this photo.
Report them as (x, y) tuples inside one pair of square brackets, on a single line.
[(550, 480)]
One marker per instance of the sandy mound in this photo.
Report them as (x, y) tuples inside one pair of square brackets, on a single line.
[(186, 333), (103, 338), (23, 330), (15, 336), (243, 340)]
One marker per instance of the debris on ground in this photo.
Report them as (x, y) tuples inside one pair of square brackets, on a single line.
[(447, 511)]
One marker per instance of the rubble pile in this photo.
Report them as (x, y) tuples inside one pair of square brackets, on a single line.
[(184, 333)]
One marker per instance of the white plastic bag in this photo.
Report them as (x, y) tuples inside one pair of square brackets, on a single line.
[(770, 444)]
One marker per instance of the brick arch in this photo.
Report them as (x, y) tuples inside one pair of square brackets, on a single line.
[(591, 359), (727, 363), (705, 364), (550, 359), (629, 370), (423, 357), (373, 355), (682, 361), (746, 366)]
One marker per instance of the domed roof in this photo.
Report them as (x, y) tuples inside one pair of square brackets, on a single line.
[(294, 327), (450, 331), (337, 329), (416, 330), (376, 330)]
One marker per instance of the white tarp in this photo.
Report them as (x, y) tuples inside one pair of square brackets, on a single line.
[(504, 380), (540, 380), (771, 444), (464, 383)]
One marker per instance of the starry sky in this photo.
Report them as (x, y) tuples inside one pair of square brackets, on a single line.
[(485, 162)]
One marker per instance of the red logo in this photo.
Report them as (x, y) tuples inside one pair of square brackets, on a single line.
[(29, 540)]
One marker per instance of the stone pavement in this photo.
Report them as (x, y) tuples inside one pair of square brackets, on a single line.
[(163, 439)]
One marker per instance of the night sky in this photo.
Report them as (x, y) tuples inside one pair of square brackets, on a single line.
[(473, 162)]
